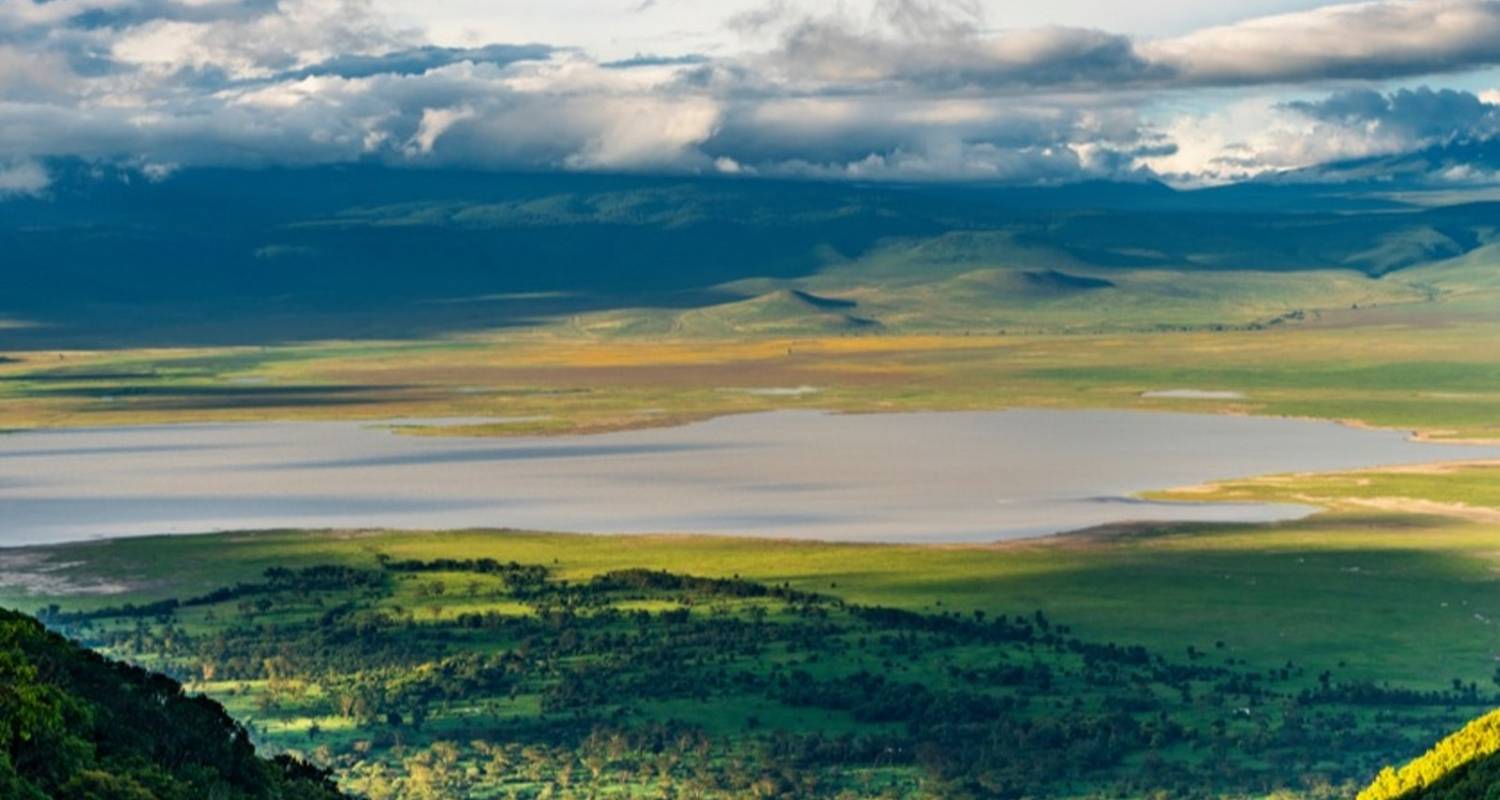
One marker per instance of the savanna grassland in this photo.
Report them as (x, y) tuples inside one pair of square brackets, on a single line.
[(1382, 367)]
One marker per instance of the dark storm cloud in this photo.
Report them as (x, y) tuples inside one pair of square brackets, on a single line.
[(691, 59), (959, 58), (940, 46), (126, 15), (417, 60), (1422, 115)]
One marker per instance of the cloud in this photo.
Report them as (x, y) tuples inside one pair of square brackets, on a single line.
[(1410, 117), (938, 45), (945, 45), (903, 138), (23, 178), (1387, 39), (565, 113), (31, 75), (434, 123), (1248, 138), (644, 132), (417, 60), (123, 13), (299, 34), (906, 90), (1258, 136), (643, 60)]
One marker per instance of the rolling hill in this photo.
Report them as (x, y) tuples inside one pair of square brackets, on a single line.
[(777, 312)]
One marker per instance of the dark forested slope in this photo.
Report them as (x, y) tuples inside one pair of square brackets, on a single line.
[(75, 725)]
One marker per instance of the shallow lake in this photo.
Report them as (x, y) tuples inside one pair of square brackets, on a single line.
[(924, 477)]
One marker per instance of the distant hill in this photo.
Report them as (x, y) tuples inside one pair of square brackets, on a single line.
[(1464, 766), (77, 726), (781, 312), (931, 286), (214, 256), (1039, 283)]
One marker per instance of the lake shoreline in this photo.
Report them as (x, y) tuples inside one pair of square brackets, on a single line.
[(946, 478)]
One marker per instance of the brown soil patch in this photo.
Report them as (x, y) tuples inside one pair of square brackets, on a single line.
[(1407, 505)]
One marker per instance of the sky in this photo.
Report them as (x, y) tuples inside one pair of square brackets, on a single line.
[(617, 29), (872, 90)]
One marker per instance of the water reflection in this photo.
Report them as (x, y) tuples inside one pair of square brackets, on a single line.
[(931, 477)]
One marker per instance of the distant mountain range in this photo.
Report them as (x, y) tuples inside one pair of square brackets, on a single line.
[(222, 256)]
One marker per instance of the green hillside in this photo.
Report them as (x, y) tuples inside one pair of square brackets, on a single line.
[(886, 294), (1464, 766), (991, 281), (77, 726)]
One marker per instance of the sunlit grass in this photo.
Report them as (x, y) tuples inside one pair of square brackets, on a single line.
[(1393, 596), (1443, 380)]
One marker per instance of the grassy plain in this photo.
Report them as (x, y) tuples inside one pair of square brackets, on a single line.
[(1409, 367)]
